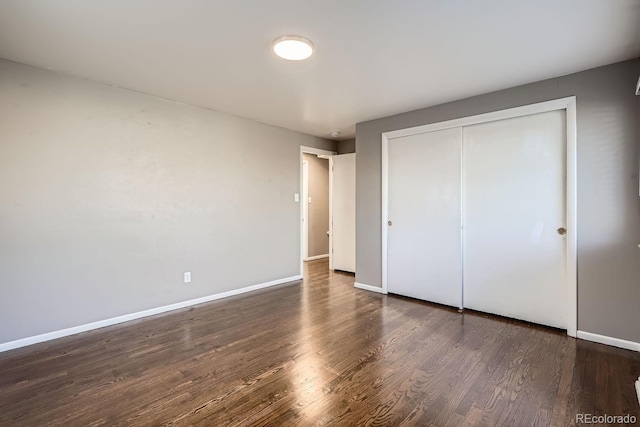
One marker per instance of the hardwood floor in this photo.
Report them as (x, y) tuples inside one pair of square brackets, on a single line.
[(316, 353)]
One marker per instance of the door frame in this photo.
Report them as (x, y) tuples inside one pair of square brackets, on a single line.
[(569, 105), (329, 155), (304, 197)]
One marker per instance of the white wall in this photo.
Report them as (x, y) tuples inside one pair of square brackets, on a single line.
[(107, 196)]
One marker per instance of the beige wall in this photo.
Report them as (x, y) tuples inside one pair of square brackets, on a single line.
[(319, 207), (107, 196), (347, 146), (608, 203)]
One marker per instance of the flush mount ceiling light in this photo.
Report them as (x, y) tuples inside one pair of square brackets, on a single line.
[(293, 48)]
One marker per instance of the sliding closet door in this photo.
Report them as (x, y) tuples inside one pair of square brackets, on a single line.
[(514, 218), (423, 241)]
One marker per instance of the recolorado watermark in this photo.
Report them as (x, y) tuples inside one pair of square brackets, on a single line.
[(605, 419)]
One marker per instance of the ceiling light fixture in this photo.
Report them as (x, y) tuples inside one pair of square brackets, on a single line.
[(293, 48), (335, 134)]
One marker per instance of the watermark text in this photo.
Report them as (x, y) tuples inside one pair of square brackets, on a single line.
[(605, 419)]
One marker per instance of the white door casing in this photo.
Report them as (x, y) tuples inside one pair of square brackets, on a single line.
[(305, 210)]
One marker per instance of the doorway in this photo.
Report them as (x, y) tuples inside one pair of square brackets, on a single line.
[(327, 233), (338, 227), (315, 204)]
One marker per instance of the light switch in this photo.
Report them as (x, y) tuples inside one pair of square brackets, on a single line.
[(296, 197)]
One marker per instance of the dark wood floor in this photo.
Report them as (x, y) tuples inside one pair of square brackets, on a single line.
[(316, 353)]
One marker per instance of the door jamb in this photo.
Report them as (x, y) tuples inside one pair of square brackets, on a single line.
[(569, 105), (304, 198)]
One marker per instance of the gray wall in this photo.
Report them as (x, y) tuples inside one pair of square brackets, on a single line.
[(107, 196), (319, 207), (347, 146), (608, 202)]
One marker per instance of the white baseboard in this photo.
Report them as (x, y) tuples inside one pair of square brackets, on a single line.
[(313, 258), (368, 287), (140, 314), (603, 339)]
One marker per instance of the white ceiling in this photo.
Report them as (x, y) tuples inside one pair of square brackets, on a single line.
[(374, 58)]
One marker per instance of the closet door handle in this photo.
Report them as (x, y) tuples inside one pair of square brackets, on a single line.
[(389, 223), (562, 231)]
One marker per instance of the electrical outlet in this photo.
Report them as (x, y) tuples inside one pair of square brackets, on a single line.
[(187, 277)]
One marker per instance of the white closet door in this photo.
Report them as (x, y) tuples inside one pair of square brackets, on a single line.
[(423, 241), (514, 204), (343, 207)]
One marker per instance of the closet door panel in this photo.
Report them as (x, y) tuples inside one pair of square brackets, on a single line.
[(424, 256), (514, 212)]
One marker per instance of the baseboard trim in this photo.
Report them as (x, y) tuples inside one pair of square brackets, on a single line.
[(603, 339), (23, 342), (369, 288), (315, 257)]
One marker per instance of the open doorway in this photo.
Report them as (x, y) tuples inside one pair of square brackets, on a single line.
[(315, 206), (327, 210)]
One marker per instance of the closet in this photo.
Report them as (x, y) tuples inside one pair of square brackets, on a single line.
[(476, 216)]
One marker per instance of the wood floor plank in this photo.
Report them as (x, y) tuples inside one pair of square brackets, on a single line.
[(316, 352)]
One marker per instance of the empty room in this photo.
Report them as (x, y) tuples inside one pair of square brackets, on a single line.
[(381, 213)]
